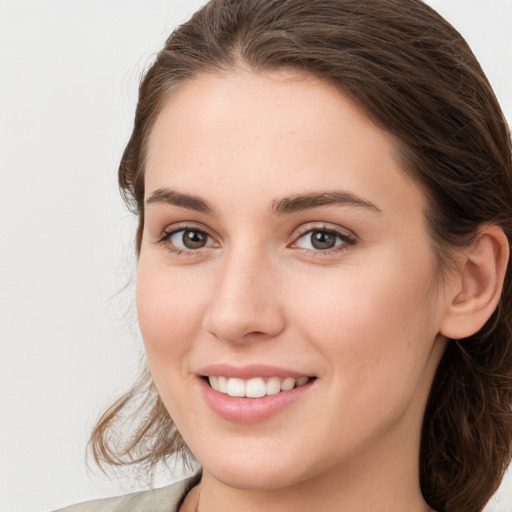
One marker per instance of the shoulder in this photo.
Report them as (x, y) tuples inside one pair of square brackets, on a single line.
[(164, 499)]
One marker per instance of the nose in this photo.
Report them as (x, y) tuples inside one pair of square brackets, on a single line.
[(245, 302)]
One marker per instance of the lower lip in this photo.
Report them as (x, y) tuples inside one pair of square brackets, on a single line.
[(251, 410)]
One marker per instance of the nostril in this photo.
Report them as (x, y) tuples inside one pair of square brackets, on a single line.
[(254, 333)]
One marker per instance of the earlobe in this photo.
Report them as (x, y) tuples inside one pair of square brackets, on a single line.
[(477, 285)]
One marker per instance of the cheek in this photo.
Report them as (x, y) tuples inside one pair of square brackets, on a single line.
[(372, 322), (170, 313)]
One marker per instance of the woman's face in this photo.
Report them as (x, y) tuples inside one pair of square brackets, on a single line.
[(284, 246)]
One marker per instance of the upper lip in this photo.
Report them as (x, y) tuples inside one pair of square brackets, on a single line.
[(249, 371)]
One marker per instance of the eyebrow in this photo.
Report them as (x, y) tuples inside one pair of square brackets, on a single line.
[(312, 200), (281, 206), (188, 201)]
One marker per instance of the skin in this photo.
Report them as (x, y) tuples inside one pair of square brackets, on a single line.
[(364, 318)]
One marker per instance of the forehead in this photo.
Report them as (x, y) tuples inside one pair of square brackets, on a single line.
[(280, 130)]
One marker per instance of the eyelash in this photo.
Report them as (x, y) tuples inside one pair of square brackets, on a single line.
[(178, 251), (347, 240)]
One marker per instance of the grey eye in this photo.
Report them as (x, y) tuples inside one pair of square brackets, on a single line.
[(323, 240), (319, 240), (190, 239)]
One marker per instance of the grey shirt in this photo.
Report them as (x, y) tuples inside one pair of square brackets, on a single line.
[(164, 499)]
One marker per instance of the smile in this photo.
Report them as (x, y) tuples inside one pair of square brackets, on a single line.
[(254, 393), (256, 387)]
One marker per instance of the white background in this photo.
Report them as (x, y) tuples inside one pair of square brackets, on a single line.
[(69, 71)]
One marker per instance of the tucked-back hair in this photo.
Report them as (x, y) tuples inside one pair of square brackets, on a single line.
[(416, 78)]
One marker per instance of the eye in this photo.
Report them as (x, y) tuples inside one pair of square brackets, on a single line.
[(323, 240), (185, 240), (189, 239)]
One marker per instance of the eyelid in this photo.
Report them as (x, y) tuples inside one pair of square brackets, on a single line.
[(164, 237), (179, 226), (325, 226), (348, 237)]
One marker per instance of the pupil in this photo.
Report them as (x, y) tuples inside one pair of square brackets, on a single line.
[(194, 239), (323, 240)]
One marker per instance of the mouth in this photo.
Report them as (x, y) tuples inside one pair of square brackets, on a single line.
[(256, 387), (254, 393)]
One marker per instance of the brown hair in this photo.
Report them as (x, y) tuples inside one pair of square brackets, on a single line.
[(414, 75)]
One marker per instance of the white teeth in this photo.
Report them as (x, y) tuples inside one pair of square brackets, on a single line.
[(236, 387), (273, 386), (223, 385), (302, 381), (287, 384), (255, 387), (214, 382)]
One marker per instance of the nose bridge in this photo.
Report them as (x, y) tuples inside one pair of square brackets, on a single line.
[(245, 299)]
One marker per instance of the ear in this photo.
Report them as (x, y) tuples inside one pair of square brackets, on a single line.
[(475, 290)]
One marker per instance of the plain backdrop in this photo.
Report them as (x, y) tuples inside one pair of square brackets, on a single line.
[(69, 72)]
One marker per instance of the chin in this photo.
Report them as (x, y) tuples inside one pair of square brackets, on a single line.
[(259, 470), (261, 478)]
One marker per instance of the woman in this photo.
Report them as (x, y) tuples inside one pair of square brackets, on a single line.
[(324, 198)]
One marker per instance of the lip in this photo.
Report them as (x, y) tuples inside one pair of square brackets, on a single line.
[(250, 410), (249, 371)]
